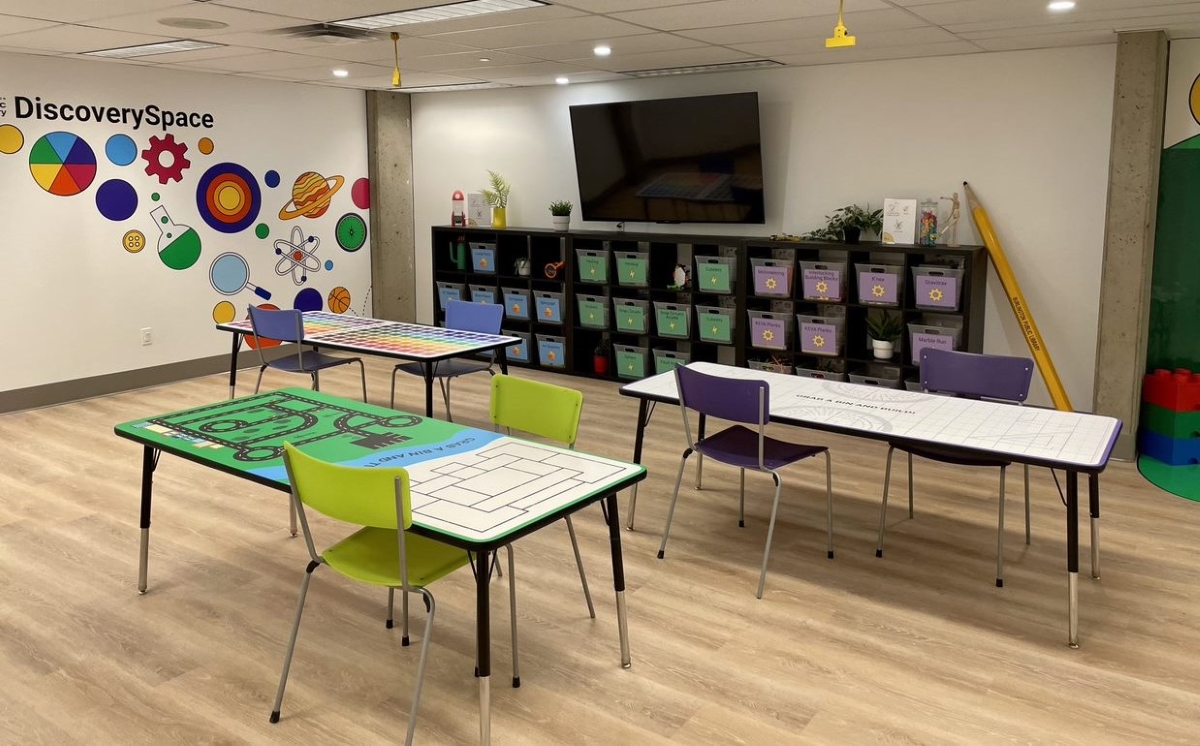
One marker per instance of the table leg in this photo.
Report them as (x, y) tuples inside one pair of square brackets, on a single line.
[(149, 461), (618, 563), (700, 456), (502, 359), (428, 368), (638, 438), (237, 343), (483, 642), (1094, 504), (1073, 559)]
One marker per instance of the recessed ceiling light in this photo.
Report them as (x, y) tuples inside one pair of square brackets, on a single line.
[(437, 13), (485, 59), (339, 73), (196, 24), (602, 50), (562, 80), (1060, 6), (145, 50), (719, 67)]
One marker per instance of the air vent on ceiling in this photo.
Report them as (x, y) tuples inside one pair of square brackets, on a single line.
[(324, 33)]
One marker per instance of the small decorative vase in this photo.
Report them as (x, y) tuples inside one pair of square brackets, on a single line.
[(851, 234), (521, 266), (883, 349), (499, 217), (560, 222)]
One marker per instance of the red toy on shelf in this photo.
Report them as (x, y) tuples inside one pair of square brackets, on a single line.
[(1178, 391)]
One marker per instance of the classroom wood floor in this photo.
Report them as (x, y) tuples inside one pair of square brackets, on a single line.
[(917, 647)]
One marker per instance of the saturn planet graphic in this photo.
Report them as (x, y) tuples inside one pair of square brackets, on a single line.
[(311, 194)]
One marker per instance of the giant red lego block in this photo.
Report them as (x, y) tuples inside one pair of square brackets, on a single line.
[(1178, 391)]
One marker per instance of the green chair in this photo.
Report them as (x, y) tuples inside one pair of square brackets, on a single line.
[(547, 411), (382, 552)]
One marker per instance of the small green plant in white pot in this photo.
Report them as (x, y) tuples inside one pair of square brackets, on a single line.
[(884, 329), (560, 214)]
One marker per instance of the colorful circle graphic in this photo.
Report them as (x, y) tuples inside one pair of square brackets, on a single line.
[(133, 241), (205, 146), (351, 232), (62, 164), (11, 139), (360, 193), (308, 299), (328, 264), (262, 230), (228, 198), (224, 312), (272, 178), (116, 200), (311, 194), (339, 299), (121, 150)]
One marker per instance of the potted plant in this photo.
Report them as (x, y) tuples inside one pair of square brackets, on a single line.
[(847, 224), (560, 214), (600, 356), (497, 197), (884, 329)]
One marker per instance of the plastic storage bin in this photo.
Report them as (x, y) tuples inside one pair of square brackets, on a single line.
[(593, 311), (631, 315), (631, 361), (913, 384), (450, 291), (932, 335), (517, 353), (770, 331), (667, 360), (673, 319), (633, 268), (483, 257), (715, 274), (823, 280), (937, 288), (483, 294), (516, 303), (880, 284), (551, 351), (821, 335), (772, 277), (715, 324), (823, 375), (769, 367), (549, 307), (877, 374), (593, 265)]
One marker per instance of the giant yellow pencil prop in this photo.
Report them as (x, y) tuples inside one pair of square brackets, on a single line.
[(1016, 299)]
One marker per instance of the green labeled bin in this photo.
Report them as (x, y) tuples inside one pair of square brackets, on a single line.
[(631, 361), (631, 315), (668, 360), (715, 324), (673, 319), (715, 274), (633, 268), (593, 266), (593, 311)]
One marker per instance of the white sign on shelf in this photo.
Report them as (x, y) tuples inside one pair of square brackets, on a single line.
[(478, 210), (899, 221)]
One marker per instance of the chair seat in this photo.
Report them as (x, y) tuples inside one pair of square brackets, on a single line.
[(312, 361), (953, 456), (372, 555), (450, 368), (738, 446)]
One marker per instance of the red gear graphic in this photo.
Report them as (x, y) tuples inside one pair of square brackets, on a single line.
[(153, 158)]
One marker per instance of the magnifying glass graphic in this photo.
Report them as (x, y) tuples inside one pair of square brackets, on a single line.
[(230, 274)]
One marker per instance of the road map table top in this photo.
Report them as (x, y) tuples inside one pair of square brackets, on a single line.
[(473, 485), (1028, 434)]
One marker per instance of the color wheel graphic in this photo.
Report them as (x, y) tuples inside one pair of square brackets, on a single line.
[(62, 164)]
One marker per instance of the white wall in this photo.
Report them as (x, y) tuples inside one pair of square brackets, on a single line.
[(76, 300), (1029, 130)]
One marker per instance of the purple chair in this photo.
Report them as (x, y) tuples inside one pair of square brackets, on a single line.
[(484, 318), (974, 376), (288, 326), (744, 401)]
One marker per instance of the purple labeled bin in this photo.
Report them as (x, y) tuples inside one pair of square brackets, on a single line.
[(769, 331), (772, 277), (879, 285), (820, 336), (936, 288), (822, 280), (938, 337)]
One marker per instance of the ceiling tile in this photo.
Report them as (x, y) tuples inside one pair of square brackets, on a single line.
[(1041, 41), (616, 6), (821, 25), (576, 79), (490, 20), (1149, 17), (358, 72), (72, 11), (256, 63), (324, 10), (69, 38), (872, 40), (673, 58), (534, 69), (237, 20), (13, 25), (727, 12), (466, 61), (622, 45), (862, 54), (381, 51), (563, 30), (195, 55)]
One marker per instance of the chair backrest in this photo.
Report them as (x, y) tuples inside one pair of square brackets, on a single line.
[(734, 399), (976, 376), (286, 326), (537, 408), (377, 497), (466, 316)]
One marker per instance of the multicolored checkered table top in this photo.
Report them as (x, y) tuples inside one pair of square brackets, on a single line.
[(316, 323)]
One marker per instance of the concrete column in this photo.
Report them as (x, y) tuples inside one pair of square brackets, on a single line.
[(390, 168), (1136, 153)]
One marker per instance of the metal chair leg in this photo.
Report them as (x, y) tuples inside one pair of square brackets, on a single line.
[(829, 501), (316, 381), (404, 622), (444, 383), (292, 517), (887, 481), (512, 612), (1028, 532), (258, 383), (742, 500), (587, 594), (392, 399), (762, 578), (674, 497), (291, 648), (363, 370), (1000, 537), (910, 487), (412, 716), (391, 598)]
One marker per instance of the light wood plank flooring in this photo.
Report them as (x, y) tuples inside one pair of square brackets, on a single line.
[(917, 647)]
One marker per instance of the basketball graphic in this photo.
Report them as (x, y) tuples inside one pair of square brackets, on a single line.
[(62, 164), (338, 300)]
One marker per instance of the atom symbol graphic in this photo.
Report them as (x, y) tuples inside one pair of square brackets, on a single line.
[(878, 291), (298, 256), (935, 294)]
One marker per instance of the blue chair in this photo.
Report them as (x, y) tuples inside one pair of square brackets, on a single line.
[(974, 376), (288, 326), (744, 401), (484, 318)]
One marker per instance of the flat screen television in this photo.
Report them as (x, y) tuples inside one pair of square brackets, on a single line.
[(674, 160)]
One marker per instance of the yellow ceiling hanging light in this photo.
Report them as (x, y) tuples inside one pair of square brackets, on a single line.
[(840, 38), (396, 54)]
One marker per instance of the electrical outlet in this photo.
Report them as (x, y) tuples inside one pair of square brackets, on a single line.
[(147, 336)]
